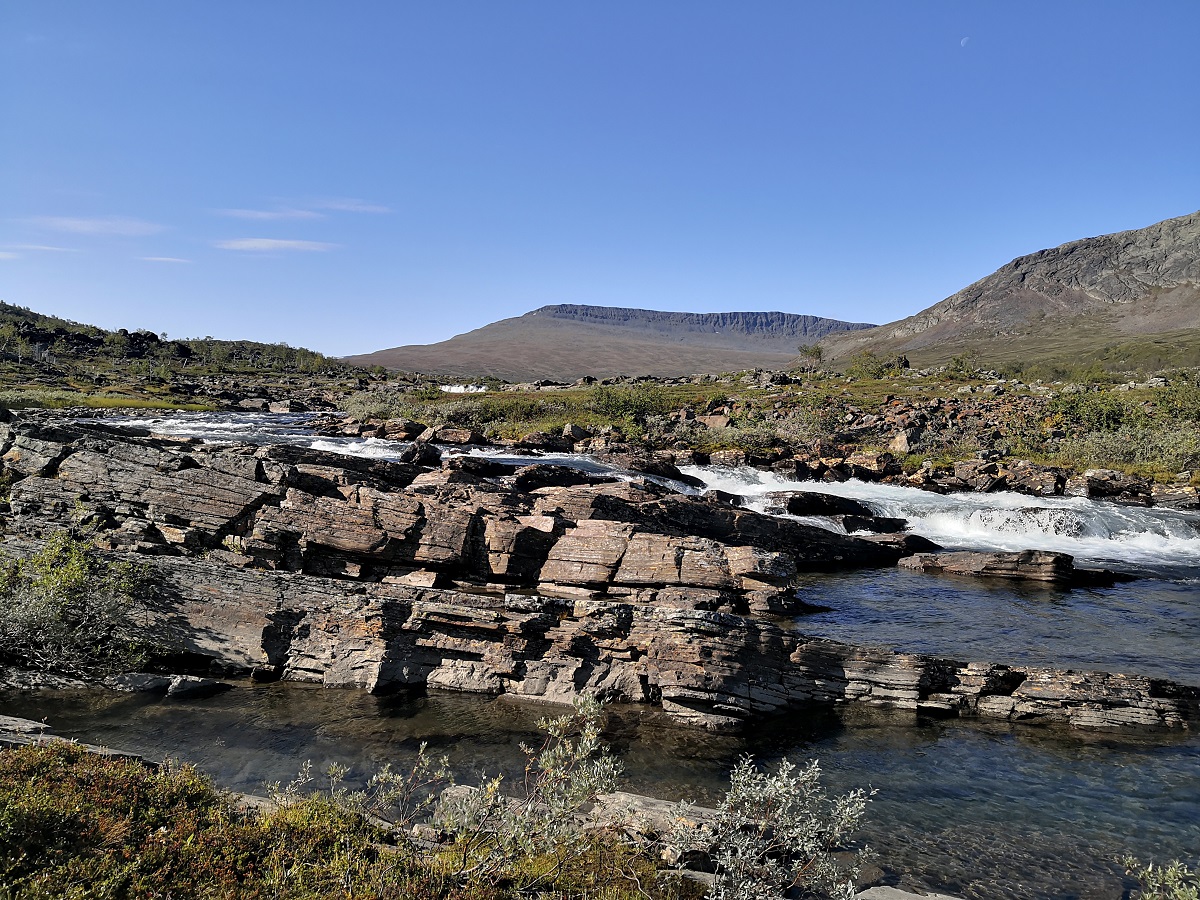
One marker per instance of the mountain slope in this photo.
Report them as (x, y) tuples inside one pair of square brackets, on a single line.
[(565, 342), (1094, 298)]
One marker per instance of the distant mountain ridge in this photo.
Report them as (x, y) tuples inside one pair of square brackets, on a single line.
[(1083, 297), (563, 342), (769, 327)]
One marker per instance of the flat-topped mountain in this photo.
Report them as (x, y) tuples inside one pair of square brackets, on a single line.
[(1126, 295), (565, 341)]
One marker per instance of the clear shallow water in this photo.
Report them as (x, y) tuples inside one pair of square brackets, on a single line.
[(987, 811), (1148, 627)]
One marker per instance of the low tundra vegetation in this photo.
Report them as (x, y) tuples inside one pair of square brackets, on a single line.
[(77, 825)]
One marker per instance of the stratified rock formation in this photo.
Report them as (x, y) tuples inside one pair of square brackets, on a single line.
[(285, 562)]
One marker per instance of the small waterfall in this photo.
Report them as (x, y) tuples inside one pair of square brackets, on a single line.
[(1095, 533)]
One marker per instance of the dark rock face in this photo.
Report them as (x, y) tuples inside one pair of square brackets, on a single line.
[(1105, 484), (812, 503)]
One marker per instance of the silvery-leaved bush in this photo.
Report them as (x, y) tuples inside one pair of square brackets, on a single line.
[(774, 832), (496, 830)]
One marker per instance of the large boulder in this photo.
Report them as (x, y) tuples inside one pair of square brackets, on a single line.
[(814, 503)]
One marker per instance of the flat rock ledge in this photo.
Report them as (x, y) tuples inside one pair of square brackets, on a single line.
[(1024, 565)]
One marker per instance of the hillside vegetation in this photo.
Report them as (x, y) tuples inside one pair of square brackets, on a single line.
[(1127, 301), (49, 361)]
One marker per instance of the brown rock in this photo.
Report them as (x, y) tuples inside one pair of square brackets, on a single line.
[(1025, 565)]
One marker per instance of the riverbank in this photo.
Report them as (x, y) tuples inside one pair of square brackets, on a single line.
[(943, 820), (568, 834)]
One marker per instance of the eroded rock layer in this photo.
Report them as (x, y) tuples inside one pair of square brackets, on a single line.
[(704, 667)]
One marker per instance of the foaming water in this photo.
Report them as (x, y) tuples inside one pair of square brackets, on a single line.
[(226, 428), (1151, 539), (951, 794)]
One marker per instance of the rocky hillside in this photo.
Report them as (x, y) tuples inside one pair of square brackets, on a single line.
[(566, 342), (1119, 296)]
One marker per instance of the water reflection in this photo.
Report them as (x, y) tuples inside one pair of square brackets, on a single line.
[(978, 809), (1149, 627)]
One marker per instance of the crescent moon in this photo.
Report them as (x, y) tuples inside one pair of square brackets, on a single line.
[(963, 42)]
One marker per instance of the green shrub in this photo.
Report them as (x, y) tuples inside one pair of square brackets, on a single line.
[(774, 832), (632, 403), (1158, 450), (962, 365), (1180, 400), (69, 609), (532, 838), (868, 365), (1174, 881), (1098, 411)]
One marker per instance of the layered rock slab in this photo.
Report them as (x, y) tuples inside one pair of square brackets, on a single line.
[(703, 667)]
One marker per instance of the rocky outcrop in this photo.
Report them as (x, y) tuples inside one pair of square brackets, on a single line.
[(1025, 565), (468, 522), (289, 563), (704, 667)]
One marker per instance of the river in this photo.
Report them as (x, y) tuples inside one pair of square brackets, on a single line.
[(986, 810)]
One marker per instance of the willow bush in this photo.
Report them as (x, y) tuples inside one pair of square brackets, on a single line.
[(70, 609)]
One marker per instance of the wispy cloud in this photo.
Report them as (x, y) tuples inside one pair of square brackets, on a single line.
[(350, 205), (41, 248), (165, 259), (118, 226), (307, 209), (267, 245), (5, 254), (269, 215)]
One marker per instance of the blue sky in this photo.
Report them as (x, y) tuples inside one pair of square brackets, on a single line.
[(355, 176)]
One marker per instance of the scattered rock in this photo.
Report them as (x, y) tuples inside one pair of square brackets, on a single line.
[(189, 687), (874, 524), (139, 682), (812, 503), (1106, 484), (1025, 565)]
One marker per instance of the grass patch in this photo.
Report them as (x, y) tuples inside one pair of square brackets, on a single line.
[(511, 414), (78, 825), (62, 399)]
